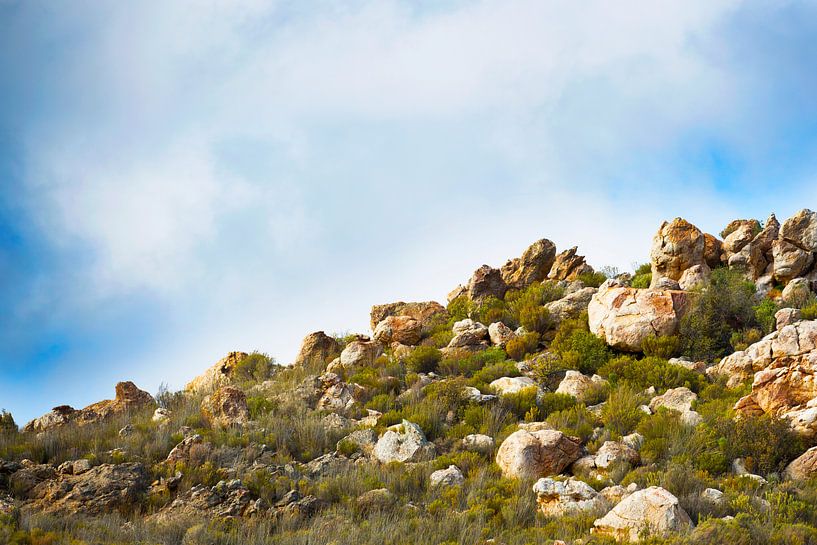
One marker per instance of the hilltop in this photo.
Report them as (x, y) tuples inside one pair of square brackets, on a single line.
[(544, 402)]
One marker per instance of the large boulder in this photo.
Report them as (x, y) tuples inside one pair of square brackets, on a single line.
[(738, 234), (797, 292), (318, 348), (624, 316), (428, 313), (570, 497), (451, 476), (613, 453), (468, 333), (486, 282), (654, 510), (801, 230), (790, 260), (569, 266), (220, 374), (535, 454), (404, 442), (227, 406), (676, 399), (338, 395), (361, 352), (511, 385), (677, 246), (533, 266), (713, 251), (58, 416), (580, 386), (500, 334), (400, 329), (101, 490), (804, 467)]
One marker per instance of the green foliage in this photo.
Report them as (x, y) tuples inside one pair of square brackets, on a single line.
[(423, 359), (642, 277), (578, 348), (258, 406), (522, 346), (592, 279), (621, 414), (651, 371), (765, 443), (764, 315), (256, 367), (664, 346), (725, 305), (7, 424), (491, 372), (809, 310), (740, 340), (574, 421)]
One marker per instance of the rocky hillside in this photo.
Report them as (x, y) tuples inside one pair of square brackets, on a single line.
[(546, 402)]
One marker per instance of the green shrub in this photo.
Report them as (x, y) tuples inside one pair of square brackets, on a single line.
[(521, 346), (809, 310), (765, 443), (651, 371), (256, 367), (520, 403), (764, 315), (423, 359), (578, 348), (574, 421), (490, 373), (664, 346), (526, 307), (642, 276), (592, 279), (621, 414), (740, 340), (7, 424), (258, 406)]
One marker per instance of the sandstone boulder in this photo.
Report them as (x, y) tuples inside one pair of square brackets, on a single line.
[(486, 282), (533, 266), (220, 374), (677, 399), (786, 316), (693, 277), (713, 250), (58, 416), (361, 352), (653, 510), (428, 313), (569, 266), (338, 395), (570, 306), (500, 334), (467, 333), (535, 454), (227, 406), (570, 497), (317, 348), (614, 453), (803, 467), (790, 260), (677, 246), (801, 230), (579, 385), (477, 442), (797, 292), (738, 234), (511, 385), (404, 442), (400, 329), (100, 490), (451, 476), (624, 317)]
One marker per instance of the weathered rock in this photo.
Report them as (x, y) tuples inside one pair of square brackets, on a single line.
[(451, 476), (100, 490), (579, 386), (533, 266), (59, 416), (74, 467), (317, 348), (191, 448), (697, 366), (428, 313), (677, 246), (676, 399), (467, 333), (786, 316), (570, 306), (361, 352), (790, 260), (801, 230), (750, 260), (361, 440), (532, 455), (338, 395), (376, 500), (652, 509), (713, 250), (220, 374), (693, 277), (226, 499), (500, 334), (797, 292), (486, 282), (29, 481), (803, 467), (570, 497), (569, 266), (511, 385), (614, 453), (614, 494), (404, 442), (161, 416), (624, 317), (738, 234), (477, 442), (713, 496), (227, 406), (401, 329)]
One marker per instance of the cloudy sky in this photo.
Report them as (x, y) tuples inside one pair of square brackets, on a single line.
[(181, 179)]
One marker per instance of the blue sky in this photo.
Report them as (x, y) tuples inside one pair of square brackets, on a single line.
[(181, 179)]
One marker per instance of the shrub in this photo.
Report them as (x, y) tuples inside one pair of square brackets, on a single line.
[(520, 403), (767, 444), (664, 346), (258, 406), (642, 276), (7, 424), (490, 373), (256, 367), (809, 310), (740, 340), (621, 414), (764, 315), (578, 348), (575, 420), (521, 346), (592, 279), (526, 307), (423, 359), (651, 371)]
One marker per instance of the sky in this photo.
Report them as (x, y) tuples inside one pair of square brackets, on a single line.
[(179, 179)]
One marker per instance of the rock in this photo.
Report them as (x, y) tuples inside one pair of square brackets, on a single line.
[(376, 500), (570, 306), (74, 467), (801, 230), (451, 476), (29, 481), (161, 416), (570, 497), (226, 499), (401, 329), (317, 348), (691, 418), (803, 467), (191, 448), (100, 490), (696, 366), (533, 266), (653, 509), (511, 385), (713, 249), (569, 266), (713, 496), (467, 333), (404, 442), (59, 416), (477, 442), (615, 453), (472, 394), (579, 386), (614, 494), (786, 316), (790, 260), (338, 395), (428, 313), (750, 260), (500, 334), (740, 366), (362, 440), (361, 352), (634, 440), (677, 246), (220, 374), (227, 406), (676, 399), (624, 317), (739, 233), (486, 282), (797, 292), (532, 455), (693, 277)]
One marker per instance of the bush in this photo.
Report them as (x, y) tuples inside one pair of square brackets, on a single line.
[(642, 277), (7, 423), (621, 414), (526, 307), (521, 346), (764, 315), (576, 421), (256, 367), (490, 373), (740, 340), (722, 307), (651, 371), (765, 443), (578, 348), (809, 310), (592, 279), (423, 359), (664, 346)]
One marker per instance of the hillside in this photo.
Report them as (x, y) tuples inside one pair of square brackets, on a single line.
[(545, 402)]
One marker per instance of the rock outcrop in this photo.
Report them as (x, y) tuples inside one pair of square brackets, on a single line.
[(361, 352), (318, 348), (428, 313), (220, 374), (653, 510), (535, 454), (533, 266), (677, 246), (570, 497), (102, 489), (404, 442), (624, 316), (398, 329), (227, 406), (486, 282), (569, 266)]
